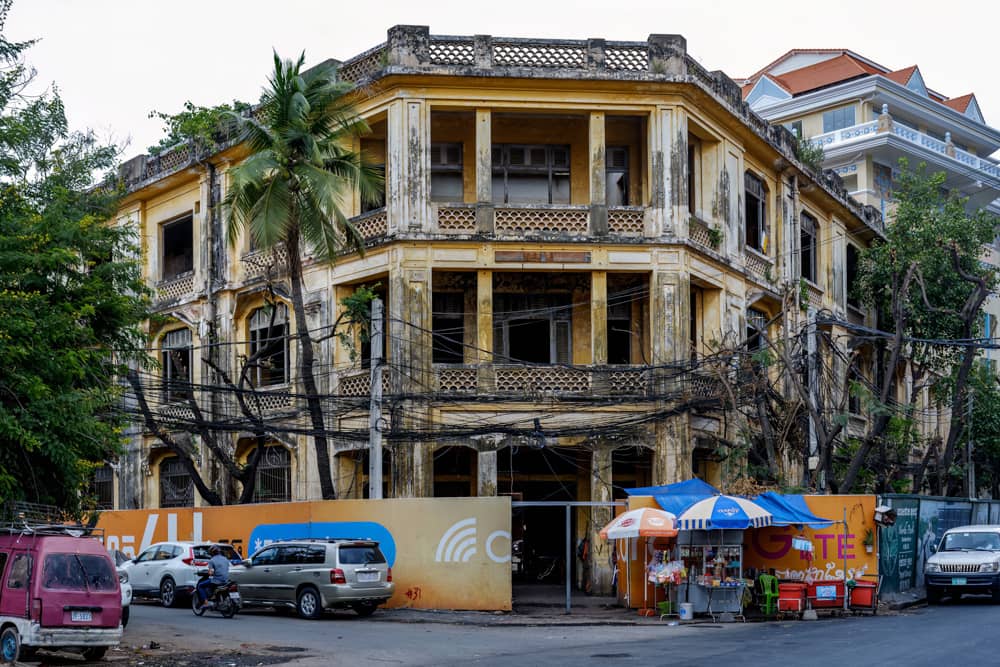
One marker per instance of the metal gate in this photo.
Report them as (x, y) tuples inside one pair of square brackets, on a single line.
[(569, 528)]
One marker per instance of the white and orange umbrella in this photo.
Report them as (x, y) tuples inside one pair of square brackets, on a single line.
[(642, 522)]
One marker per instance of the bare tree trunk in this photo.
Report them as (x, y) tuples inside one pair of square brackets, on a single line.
[(184, 456), (306, 363), (968, 315)]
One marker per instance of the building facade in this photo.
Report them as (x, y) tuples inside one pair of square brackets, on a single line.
[(572, 230), (867, 116)]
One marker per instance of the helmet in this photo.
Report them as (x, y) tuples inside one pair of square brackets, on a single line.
[(214, 550)]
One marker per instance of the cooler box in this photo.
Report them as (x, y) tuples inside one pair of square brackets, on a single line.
[(863, 595), (827, 594), (791, 597)]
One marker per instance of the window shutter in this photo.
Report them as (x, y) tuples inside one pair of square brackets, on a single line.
[(563, 353)]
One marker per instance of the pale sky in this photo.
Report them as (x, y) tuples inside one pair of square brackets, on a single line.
[(114, 61)]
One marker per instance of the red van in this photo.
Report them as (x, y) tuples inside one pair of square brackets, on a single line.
[(57, 591)]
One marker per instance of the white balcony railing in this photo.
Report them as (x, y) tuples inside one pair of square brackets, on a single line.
[(857, 133)]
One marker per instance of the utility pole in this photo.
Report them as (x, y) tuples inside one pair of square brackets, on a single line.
[(375, 409), (970, 469)]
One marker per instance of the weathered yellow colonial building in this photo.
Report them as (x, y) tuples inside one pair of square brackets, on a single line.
[(569, 228)]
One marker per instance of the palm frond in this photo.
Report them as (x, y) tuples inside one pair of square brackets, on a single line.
[(272, 213)]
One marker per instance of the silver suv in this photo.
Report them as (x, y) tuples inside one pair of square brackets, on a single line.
[(311, 575), (966, 561)]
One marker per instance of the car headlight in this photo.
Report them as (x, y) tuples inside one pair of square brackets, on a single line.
[(123, 577), (990, 567), (932, 567)]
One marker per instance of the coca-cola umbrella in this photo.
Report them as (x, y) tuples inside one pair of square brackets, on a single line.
[(642, 522)]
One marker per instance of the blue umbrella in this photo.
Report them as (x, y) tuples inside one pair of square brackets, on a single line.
[(723, 512)]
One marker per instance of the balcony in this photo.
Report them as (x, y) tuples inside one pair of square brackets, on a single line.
[(856, 134), (175, 288), (533, 380)]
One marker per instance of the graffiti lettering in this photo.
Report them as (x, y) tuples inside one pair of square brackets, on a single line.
[(413, 593)]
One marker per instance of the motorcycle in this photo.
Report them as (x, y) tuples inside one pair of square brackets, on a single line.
[(225, 599)]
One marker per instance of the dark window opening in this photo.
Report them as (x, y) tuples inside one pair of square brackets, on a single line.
[(455, 472), (795, 127), (379, 199), (175, 360), (446, 173), (269, 340), (178, 247), (448, 326), (616, 176), (176, 487), (807, 234), (536, 174), (695, 310), (619, 330), (531, 328), (103, 487), (853, 257), (274, 476), (694, 151), (756, 213), (756, 329)]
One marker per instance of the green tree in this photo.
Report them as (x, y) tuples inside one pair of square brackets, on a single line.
[(205, 126), (985, 426), (927, 282), (71, 296), (291, 188)]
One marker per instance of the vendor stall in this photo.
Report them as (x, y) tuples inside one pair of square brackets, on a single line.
[(713, 562)]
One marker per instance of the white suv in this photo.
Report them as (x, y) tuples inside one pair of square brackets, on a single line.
[(966, 561), (167, 570)]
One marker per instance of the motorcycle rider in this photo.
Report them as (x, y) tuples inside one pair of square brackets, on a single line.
[(218, 569)]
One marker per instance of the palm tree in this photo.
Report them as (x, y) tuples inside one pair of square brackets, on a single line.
[(292, 190)]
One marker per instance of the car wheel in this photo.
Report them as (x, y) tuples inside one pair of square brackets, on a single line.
[(10, 645), (95, 653), (364, 609), (309, 604), (168, 592), (125, 615)]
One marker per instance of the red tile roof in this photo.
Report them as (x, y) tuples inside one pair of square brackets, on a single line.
[(825, 73), (959, 104), (901, 76)]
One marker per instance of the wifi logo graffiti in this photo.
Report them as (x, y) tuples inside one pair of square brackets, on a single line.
[(458, 544)]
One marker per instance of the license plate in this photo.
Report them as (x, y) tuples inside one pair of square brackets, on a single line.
[(366, 577), (958, 581), (81, 616), (235, 597)]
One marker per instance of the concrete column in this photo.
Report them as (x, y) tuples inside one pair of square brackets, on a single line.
[(600, 491), (486, 481), (673, 450), (484, 328), (599, 317), (408, 173), (668, 169), (665, 322), (598, 192), (484, 171)]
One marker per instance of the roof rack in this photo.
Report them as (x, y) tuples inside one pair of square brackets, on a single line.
[(324, 539), (65, 530)]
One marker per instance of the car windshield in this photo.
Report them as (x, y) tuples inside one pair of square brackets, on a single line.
[(201, 552), (971, 542), (78, 572), (361, 555)]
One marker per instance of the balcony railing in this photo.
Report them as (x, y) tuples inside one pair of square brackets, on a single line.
[(541, 219), (863, 131), (372, 224), (176, 287)]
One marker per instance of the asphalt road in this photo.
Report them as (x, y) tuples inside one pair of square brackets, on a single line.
[(926, 636)]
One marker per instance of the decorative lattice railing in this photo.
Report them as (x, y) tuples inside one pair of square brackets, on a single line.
[(542, 219), (259, 263), (175, 288), (758, 265), (535, 379), (626, 221), (456, 218), (373, 224)]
